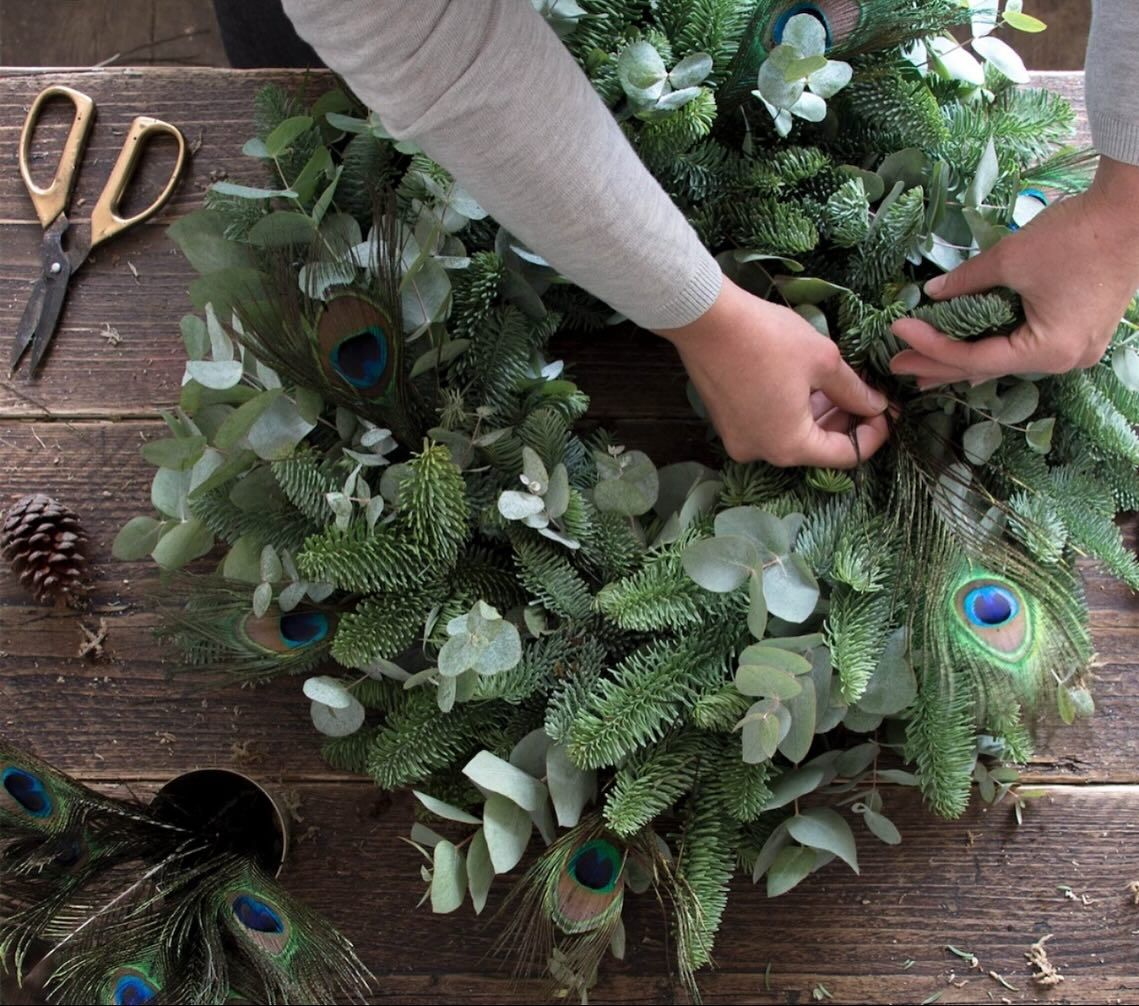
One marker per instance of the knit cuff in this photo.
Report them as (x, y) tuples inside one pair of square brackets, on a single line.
[(1115, 137), (692, 300)]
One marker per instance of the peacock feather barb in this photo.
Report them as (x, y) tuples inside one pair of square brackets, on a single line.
[(105, 901)]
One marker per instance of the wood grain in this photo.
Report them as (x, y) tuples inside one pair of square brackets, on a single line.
[(83, 33), (979, 883)]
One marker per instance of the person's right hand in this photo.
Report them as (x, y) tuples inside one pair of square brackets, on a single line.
[(775, 388)]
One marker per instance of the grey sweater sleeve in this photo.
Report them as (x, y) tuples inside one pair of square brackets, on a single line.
[(1112, 79), (487, 90)]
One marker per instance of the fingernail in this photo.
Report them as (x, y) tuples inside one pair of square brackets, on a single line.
[(934, 286), (878, 401)]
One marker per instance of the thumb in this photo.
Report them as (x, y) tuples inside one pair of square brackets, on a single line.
[(850, 393), (974, 275)]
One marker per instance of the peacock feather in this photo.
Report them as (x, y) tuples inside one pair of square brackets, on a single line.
[(217, 631), (129, 905), (994, 633), (565, 912), (341, 332)]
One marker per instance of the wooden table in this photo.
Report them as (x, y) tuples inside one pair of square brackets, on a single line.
[(981, 883)]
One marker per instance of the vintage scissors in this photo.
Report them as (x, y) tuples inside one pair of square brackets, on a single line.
[(40, 317)]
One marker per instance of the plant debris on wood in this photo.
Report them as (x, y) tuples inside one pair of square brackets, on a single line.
[(1047, 974)]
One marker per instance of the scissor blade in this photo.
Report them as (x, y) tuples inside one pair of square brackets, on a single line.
[(29, 321), (54, 297)]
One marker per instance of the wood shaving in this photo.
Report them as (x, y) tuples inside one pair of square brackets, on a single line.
[(111, 334), (92, 644), (1046, 975)]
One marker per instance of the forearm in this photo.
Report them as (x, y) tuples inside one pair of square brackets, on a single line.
[(488, 91), (1112, 79)]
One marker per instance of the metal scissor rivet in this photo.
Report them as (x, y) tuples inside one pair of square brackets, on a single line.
[(55, 268)]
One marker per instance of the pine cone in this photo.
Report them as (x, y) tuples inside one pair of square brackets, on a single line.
[(46, 548)]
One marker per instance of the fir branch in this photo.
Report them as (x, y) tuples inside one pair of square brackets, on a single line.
[(652, 780)]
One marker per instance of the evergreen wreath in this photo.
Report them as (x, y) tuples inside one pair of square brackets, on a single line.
[(676, 673)]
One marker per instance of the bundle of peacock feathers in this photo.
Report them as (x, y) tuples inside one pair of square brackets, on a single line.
[(108, 901), (671, 673)]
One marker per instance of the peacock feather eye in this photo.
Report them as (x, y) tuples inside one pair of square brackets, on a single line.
[(303, 628), (355, 345), (793, 11), (131, 988), (588, 890), (281, 631), (27, 790), (993, 613), (258, 915), (839, 18), (261, 922), (991, 606), (361, 359), (596, 865)]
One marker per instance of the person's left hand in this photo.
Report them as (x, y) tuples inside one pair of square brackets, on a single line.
[(1076, 268)]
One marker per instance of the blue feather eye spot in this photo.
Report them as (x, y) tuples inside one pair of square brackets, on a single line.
[(303, 628), (255, 914), (27, 790), (991, 606), (361, 359), (132, 989), (792, 11), (596, 865)]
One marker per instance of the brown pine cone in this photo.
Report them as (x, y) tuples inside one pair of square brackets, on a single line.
[(46, 548)]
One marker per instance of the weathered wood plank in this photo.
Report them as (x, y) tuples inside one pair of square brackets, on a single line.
[(145, 368), (96, 468), (979, 884)]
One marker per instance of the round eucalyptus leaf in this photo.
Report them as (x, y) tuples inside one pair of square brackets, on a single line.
[(760, 731), (1125, 363), (764, 529), (328, 691), (790, 589), (640, 67), (1018, 403), (691, 70), (720, 564), (766, 682), (806, 33), (831, 78), (136, 539), (981, 441), (183, 543), (516, 505), (335, 722)]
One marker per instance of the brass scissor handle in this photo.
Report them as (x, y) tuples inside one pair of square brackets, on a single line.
[(105, 220), (50, 202)]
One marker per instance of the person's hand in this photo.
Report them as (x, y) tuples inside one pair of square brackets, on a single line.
[(1076, 268), (775, 388)]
